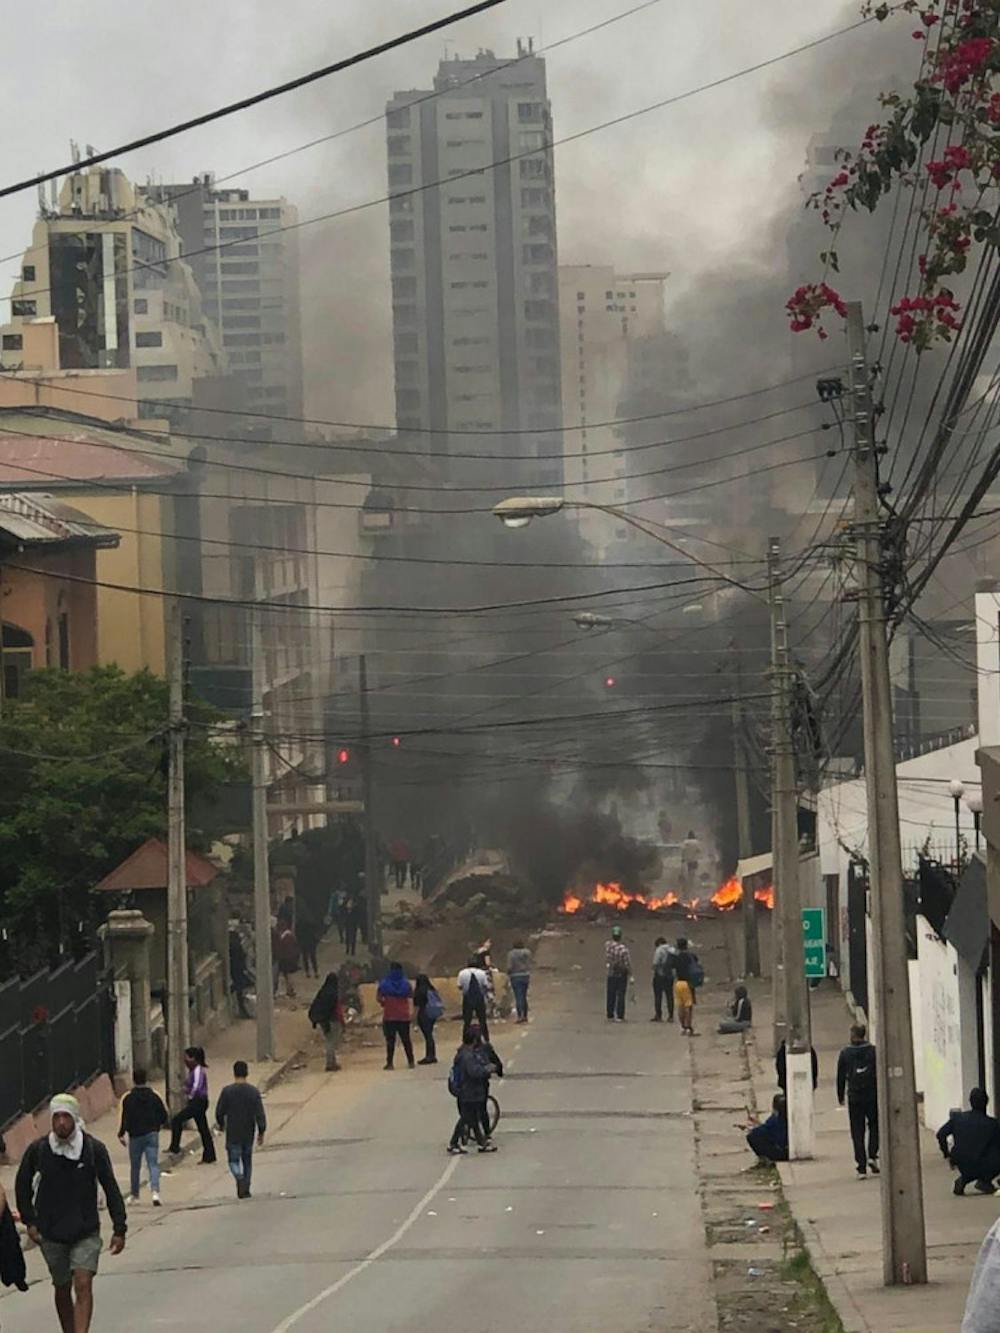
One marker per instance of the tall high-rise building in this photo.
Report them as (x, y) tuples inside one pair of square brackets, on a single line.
[(607, 320), (473, 256), (104, 266), (245, 256)]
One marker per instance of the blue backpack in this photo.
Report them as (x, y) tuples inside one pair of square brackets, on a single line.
[(434, 1008), (455, 1078)]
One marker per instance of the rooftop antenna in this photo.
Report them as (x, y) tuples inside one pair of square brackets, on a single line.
[(74, 151), (41, 198), (54, 195)]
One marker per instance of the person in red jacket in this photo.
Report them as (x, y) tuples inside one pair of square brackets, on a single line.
[(394, 995)]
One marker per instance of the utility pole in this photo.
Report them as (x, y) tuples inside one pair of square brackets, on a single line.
[(790, 968), (178, 982), (904, 1252), (751, 942), (261, 872), (373, 861)]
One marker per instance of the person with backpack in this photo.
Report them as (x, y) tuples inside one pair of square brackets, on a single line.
[(474, 983), (468, 1080), (429, 1008), (56, 1191), (143, 1116), (494, 1066), (856, 1078), (327, 1013), (688, 976), (663, 980), (195, 1107), (394, 993)]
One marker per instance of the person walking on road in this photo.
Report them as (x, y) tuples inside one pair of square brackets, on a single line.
[(474, 984), (239, 972), (56, 1191), (769, 1140), (519, 975), (307, 933), (429, 1008), (468, 1082), (195, 1106), (618, 962), (856, 1078), (975, 1144), (143, 1116), (663, 980), (286, 955), (394, 994), (494, 1066), (327, 1013), (686, 971), (239, 1111), (691, 857)]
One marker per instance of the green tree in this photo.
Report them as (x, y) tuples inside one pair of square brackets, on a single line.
[(82, 784)]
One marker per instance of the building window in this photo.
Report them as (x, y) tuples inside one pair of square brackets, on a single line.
[(398, 118), (141, 306), (151, 374), (407, 342), (23, 309), (230, 270), (28, 273), (400, 173), (149, 339), (399, 145), (13, 342), (270, 214), (534, 168), (403, 288), (401, 231), (531, 139), (528, 111)]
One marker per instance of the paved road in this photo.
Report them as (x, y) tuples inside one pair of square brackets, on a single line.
[(587, 1218)]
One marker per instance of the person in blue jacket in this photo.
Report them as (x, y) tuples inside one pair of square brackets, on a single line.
[(770, 1140)]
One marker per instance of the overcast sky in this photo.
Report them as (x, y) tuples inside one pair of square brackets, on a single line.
[(694, 188)]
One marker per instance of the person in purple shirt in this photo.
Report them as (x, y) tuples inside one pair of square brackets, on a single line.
[(196, 1106)]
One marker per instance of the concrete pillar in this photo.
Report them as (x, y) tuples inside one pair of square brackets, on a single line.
[(127, 936)]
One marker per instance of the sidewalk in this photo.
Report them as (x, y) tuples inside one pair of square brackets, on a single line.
[(839, 1215)]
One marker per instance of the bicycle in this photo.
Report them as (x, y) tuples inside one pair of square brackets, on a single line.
[(492, 1119)]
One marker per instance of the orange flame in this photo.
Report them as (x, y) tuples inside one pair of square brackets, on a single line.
[(731, 893), (613, 895)]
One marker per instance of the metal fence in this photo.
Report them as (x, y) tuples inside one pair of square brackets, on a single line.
[(56, 1032)]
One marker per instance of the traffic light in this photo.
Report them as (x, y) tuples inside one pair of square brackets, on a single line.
[(396, 742), (610, 682), (343, 756)]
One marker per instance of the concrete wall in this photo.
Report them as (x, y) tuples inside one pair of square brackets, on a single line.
[(946, 1031)]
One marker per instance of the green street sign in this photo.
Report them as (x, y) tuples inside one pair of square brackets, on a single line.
[(814, 941)]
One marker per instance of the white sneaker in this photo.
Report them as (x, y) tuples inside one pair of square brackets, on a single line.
[(156, 1200), (132, 1198)]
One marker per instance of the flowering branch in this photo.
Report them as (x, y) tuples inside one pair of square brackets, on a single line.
[(956, 90)]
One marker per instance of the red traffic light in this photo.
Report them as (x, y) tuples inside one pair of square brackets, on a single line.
[(343, 756), (395, 742), (610, 682)]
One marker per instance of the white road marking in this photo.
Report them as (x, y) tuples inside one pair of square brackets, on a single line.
[(375, 1255)]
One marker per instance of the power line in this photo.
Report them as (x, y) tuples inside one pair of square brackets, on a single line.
[(303, 80)]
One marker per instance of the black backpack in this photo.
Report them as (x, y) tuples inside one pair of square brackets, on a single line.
[(861, 1078)]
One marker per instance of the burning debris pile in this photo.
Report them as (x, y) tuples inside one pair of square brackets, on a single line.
[(725, 899)]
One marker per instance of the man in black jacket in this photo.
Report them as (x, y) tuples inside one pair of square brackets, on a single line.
[(61, 1213), (143, 1116), (975, 1150), (240, 1111), (856, 1078)]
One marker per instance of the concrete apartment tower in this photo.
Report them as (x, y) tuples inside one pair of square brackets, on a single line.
[(104, 267), (610, 324), (246, 263), (473, 259)]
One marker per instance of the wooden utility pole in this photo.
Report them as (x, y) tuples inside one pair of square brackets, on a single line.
[(178, 982), (261, 870), (373, 860), (790, 969), (904, 1250), (741, 776)]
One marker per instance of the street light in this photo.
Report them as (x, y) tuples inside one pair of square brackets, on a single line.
[(974, 802), (957, 788), (521, 509)]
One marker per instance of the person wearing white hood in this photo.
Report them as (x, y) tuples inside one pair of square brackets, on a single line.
[(56, 1193)]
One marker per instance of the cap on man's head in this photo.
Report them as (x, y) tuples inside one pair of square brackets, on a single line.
[(616, 932)]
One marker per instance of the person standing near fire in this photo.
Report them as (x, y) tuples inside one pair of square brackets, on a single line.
[(618, 962), (691, 857)]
